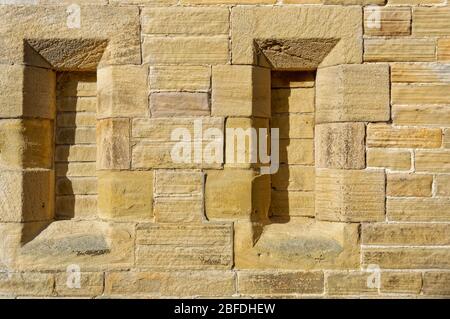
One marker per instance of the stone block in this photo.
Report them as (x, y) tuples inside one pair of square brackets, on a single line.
[(442, 185), (413, 185), (391, 159), (433, 161), (294, 178), (383, 135), (113, 144), (438, 115), (420, 72), (399, 50), (407, 258), (297, 151), (293, 125), (75, 153), (91, 285), (179, 209), (72, 135), (76, 207), (401, 282), (179, 183), (286, 204), (393, 21), (76, 185), (443, 50), (179, 104), (296, 100), (418, 209), (26, 284), (436, 283), (350, 283), (431, 21), (180, 78)]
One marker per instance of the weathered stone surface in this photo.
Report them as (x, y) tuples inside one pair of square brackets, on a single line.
[(294, 177), (432, 161), (171, 284), (26, 196), (91, 285), (431, 21), (350, 283), (350, 195), (388, 158), (26, 284), (76, 186), (293, 125), (240, 90), (76, 119), (297, 100), (113, 144), (420, 94), (26, 91), (118, 25), (294, 79), (406, 234), (122, 91), (399, 50), (179, 209), (125, 195), (392, 21), (383, 135), (185, 20), (401, 282), (78, 85), (75, 153), (280, 283), (179, 183), (86, 169), (318, 23), (443, 50), (420, 72), (340, 145), (180, 78), (76, 207), (26, 143), (72, 135), (193, 50), (353, 93), (436, 283), (438, 115), (76, 104), (228, 193), (289, 203), (442, 185), (420, 209), (297, 151), (188, 246), (92, 245), (169, 104), (302, 243), (409, 185), (408, 258)]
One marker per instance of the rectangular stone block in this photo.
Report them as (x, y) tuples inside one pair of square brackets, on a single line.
[(76, 186), (72, 135), (383, 135), (76, 85), (113, 144), (443, 50), (404, 185), (298, 100), (446, 138), (294, 177), (442, 185), (420, 72), (291, 203), (393, 21), (76, 207), (420, 94), (185, 21), (91, 285), (122, 91), (73, 119), (180, 78), (431, 21), (170, 284), (297, 151), (86, 169), (179, 183), (294, 125), (26, 284), (280, 282), (396, 160), (26, 143), (350, 195), (26, 196), (398, 234), (182, 104), (415, 2), (340, 145), (178, 209), (350, 283), (348, 93), (438, 115), (240, 90), (432, 161), (399, 50), (436, 283), (192, 50), (408, 258), (124, 195), (418, 209), (27, 91), (291, 80), (195, 246), (77, 104), (401, 282), (75, 153)]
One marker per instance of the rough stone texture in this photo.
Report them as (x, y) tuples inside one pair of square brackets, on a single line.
[(433, 161), (443, 53), (394, 21), (401, 282), (350, 283), (91, 285), (318, 24), (297, 100), (183, 78), (125, 195), (26, 284), (122, 91), (388, 158), (350, 195), (399, 50), (113, 144), (436, 283), (420, 94), (420, 72), (340, 145), (408, 258), (431, 21), (421, 115), (179, 104), (240, 90), (443, 185), (403, 185), (352, 93), (418, 209)]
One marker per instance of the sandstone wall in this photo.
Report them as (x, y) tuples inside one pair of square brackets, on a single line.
[(360, 205)]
